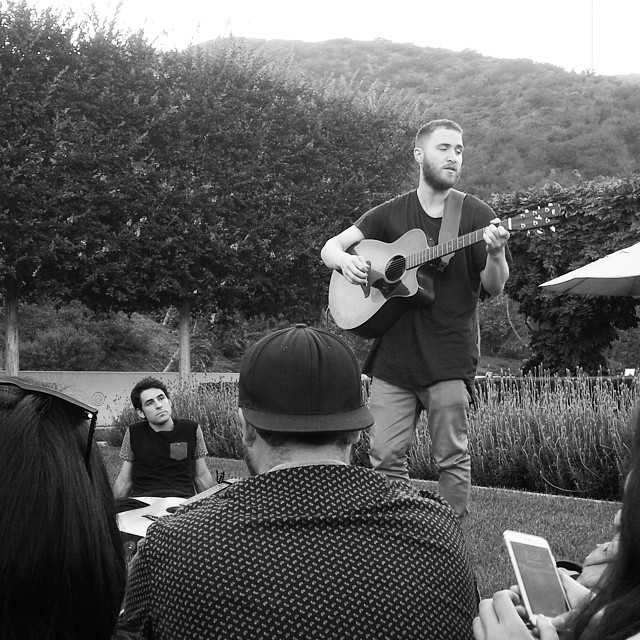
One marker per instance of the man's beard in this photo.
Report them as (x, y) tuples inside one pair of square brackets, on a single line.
[(435, 181)]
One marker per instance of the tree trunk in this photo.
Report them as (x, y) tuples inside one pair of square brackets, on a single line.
[(184, 327), (522, 342), (11, 345)]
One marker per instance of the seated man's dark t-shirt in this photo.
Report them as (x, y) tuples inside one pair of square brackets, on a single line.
[(163, 461)]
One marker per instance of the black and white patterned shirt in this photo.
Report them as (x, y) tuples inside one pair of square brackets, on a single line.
[(301, 553)]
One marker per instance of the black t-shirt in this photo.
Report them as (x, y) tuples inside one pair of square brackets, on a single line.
[(163, 460), (440, 341)]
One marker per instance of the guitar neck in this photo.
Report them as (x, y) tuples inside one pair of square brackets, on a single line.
[(445, 248), (527, 221)]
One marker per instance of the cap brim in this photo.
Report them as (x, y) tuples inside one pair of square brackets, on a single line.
[(355, 420)]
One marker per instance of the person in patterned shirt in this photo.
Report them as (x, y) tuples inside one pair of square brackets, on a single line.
[(308, 546)]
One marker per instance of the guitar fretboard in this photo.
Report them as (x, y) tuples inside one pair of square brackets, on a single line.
[(443, 249), (523, 222)]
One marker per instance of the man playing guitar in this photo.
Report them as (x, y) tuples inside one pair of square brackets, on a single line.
[(427, 359)]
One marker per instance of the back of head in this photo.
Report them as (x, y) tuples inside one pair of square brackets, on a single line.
[(143, 385), (62, 570), (302, 380)]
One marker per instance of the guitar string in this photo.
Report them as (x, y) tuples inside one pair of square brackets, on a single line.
[(535, 221)]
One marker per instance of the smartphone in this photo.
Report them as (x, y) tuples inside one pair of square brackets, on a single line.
[(540, 587)]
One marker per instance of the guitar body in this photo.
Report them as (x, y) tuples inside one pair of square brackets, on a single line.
[(369, 310), (402, 272)]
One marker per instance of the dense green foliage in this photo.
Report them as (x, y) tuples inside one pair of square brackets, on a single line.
[(503, 331), (74, 338), (525, 123), (136, 180), (68, 136), (599, 217)]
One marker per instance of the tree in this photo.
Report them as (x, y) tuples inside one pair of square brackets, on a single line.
[(501, 329), (251, 166), (599, 218), (557, 120), (65, 122), (182, 246), (34, 54), (202, 180)]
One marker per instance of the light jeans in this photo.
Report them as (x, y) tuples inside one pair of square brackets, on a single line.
[(396, 412)]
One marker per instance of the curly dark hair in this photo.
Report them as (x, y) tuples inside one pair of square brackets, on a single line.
[(143, 385)]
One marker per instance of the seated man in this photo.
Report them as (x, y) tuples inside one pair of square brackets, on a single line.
[(309, 546), (161, 456)]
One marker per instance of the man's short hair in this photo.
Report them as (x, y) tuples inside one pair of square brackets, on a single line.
[(278, 439), (143, 385), (427, 129)]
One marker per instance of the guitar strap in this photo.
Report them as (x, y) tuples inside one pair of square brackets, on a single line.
[(450, 227)]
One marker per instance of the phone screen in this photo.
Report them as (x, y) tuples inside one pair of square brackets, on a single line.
[(540, 580)]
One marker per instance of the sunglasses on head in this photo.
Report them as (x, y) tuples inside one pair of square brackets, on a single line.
[(12, 390)]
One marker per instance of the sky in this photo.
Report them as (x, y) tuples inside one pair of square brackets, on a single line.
[(578, 35)]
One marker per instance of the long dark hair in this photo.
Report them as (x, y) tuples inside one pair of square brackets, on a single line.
[(619, 592), (62, 568)]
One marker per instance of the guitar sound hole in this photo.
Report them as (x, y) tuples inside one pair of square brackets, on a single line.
[(395, 269)]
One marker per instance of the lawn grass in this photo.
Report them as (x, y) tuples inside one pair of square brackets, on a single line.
[(572, 526)]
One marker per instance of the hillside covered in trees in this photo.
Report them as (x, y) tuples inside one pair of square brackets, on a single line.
[(526, 123)]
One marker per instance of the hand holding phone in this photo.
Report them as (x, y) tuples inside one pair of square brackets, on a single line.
[(541, 590)]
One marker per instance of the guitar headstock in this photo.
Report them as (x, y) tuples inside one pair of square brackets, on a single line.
[(535, 219)]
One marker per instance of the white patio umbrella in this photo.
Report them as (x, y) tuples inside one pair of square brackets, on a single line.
[(617, 274)]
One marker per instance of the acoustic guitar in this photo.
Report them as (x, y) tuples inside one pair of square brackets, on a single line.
[(402, 272)]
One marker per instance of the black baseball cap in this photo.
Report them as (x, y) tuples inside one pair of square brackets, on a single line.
[(302, 379)]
